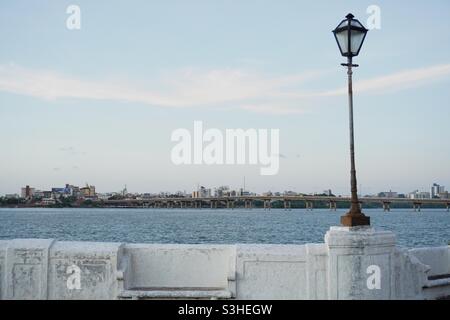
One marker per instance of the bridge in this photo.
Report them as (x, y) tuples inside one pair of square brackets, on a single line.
[(248, 202)]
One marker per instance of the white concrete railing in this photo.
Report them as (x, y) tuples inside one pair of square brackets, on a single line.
[(351, 264)]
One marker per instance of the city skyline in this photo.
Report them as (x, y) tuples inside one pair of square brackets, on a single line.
[(100, 103), (435, 191)]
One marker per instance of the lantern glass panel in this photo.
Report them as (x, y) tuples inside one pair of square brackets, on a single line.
[(342, 38), (357, 38)]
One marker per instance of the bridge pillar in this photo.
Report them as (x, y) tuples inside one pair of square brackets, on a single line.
[(417, 206), (386, 206), (212, 204), (309, 205), (448, 207), (285, 204), (332, 206)]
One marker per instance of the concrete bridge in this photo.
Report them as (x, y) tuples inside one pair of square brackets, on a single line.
[(248, 202)]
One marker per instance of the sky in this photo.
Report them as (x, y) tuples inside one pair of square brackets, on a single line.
[(98, 104)]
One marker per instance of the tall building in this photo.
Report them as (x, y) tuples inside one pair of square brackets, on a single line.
[(88, 191), (27, 192), (436, 189)]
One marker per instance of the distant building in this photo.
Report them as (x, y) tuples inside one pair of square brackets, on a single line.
[(195, 194), (58, 191), (12, 196), (222, 191), (444, 195), (419, 195), (47, 194), (38, 194), (436, 189), (88, 191), (388, 194), (48, 201), (27, 192), (71, 190)]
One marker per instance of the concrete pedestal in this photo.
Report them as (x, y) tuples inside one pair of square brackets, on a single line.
[(360, 263)]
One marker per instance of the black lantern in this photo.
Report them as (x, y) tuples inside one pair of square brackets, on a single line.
[(350, 35)]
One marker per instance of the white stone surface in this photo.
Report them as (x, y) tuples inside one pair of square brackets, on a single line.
[(437, 258), (336, 269), (351, 252)]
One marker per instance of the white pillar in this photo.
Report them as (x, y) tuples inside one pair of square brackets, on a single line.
[(361, 263)]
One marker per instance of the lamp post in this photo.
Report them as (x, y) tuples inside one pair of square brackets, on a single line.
[(350, 35)]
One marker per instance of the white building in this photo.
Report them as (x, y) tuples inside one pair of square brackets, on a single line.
[(436, 189), (419, 195)]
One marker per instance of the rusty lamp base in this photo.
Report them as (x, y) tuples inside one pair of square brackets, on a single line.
[(354, 220)]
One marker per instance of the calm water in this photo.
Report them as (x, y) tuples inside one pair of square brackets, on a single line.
[(428, 228)]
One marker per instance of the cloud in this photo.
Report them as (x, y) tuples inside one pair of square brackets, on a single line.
[(188, 87), (397, 81), (192, 87)]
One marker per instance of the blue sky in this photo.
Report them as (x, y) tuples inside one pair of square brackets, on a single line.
[(99, 104)]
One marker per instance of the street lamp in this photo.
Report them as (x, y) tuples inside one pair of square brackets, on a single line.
[(350, 35)]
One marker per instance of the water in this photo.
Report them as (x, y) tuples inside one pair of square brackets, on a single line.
[(413, 229)]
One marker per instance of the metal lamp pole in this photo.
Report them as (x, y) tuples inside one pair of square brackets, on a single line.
[(354, 217), (350, 35)]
